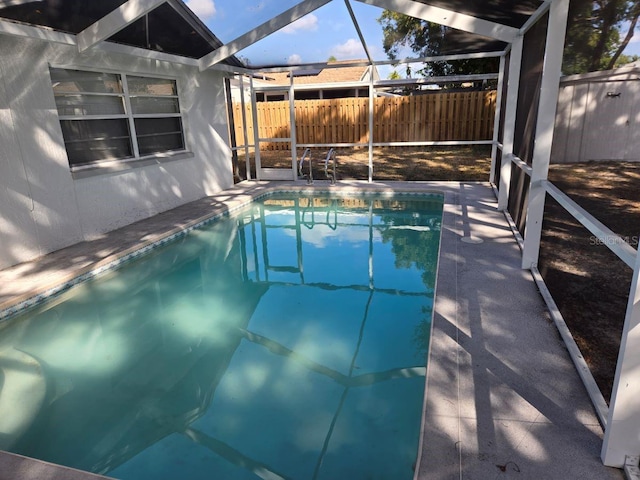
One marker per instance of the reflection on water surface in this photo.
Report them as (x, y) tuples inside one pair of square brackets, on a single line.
[(286, 341)]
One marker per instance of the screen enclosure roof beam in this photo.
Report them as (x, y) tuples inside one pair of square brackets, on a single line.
[(260, 32), (449, 18), (115, 21)]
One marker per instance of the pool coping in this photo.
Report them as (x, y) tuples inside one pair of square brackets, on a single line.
[(19, 467), (502, 395)]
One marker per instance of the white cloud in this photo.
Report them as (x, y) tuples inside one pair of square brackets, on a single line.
[(349, 50), (202, 8), (294, 59), (308, 23)]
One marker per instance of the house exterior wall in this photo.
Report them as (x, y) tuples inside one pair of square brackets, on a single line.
[(43, 205), (598, 118)]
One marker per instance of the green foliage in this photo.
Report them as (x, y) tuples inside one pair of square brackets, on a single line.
[(426, 39), (394, 75), (625, 59), (404, 31), (593, 41), (414, 248), (593, 34)]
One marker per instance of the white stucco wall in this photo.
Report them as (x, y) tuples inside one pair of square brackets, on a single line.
[(42, 206)]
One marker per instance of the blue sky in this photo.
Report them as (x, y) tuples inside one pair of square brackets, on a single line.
[(326, 32), (634, 46)]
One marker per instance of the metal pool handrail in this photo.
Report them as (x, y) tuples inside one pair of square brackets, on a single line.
[(333, 208), (331, 155), (307, 153)]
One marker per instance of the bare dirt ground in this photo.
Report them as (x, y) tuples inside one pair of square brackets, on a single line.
[(402, 163), (589, 283)]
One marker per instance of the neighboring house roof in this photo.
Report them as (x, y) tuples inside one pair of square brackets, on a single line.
[(315, 76)]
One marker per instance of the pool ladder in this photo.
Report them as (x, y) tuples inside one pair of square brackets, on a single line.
[(331, 158), (311, 210), (309, 177)]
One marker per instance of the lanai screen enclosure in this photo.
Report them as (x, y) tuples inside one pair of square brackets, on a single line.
[(170, 144)]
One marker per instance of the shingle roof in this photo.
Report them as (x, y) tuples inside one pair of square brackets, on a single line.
[(326, 75)]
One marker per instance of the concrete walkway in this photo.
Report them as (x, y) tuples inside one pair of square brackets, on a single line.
[(503, 399)]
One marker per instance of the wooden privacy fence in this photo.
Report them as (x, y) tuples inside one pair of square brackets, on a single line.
[(465, 116)]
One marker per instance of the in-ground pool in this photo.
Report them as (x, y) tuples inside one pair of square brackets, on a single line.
[(286, 340)]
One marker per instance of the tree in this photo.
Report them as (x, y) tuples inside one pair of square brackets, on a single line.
[(593, 38), (394, 75), (633, 15), (426, 39), (593, 34)]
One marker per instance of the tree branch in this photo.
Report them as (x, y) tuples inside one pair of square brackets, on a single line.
[(627, 39)]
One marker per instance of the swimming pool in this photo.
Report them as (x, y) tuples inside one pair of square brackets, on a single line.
[(287, 340)]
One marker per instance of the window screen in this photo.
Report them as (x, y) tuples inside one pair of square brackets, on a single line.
[(156, 112), (107, 116)]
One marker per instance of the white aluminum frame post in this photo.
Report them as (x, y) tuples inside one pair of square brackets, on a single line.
[(372, 94), (256, 134), (549, 89), (245, 135), (508, 135), (622, 435), (496, 120), (292, 128), (622, 425)]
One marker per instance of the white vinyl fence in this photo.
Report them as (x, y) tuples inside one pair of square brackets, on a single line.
[(598, 117)]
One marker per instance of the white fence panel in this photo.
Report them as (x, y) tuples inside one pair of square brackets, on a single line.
[(598, 117)]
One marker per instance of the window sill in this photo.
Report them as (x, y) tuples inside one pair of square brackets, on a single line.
[(119, 166)]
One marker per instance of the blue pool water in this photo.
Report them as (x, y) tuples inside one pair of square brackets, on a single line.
[(287, 340)]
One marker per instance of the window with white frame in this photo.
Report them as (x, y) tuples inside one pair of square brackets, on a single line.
[(109, 116)]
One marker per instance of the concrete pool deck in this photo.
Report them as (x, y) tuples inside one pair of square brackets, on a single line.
[(503, 399)]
